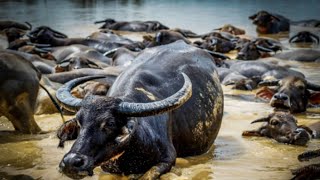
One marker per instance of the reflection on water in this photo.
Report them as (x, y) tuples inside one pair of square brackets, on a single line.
[(231, 156)]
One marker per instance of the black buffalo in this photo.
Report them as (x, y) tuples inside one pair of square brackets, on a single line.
[(134, 26), (269, 23), (168, 104), (304, 37), (46, 35)]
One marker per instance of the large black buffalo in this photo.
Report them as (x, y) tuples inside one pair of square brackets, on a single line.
[(168, 104), (270, 23)]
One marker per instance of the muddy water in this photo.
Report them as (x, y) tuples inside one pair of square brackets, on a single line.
[(231, 156)]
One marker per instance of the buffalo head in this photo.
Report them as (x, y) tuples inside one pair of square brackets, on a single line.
[(106, 125), (304, 37), (251, 51), (107, 22), (291, 93), (264, 21), (282, 126), (44, 35)]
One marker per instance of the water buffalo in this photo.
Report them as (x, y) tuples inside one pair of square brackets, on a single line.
[(251, 51), (292, 93), (231, 29), (304, 37), (134, 26), (168, 104), (245, 75), (282, 126), (269, 23), (302, 55), (213, 43), (164, 37), (45, 35), (14, 30), (19, 85)]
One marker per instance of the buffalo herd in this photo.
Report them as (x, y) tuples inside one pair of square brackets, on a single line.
[(139, 105)]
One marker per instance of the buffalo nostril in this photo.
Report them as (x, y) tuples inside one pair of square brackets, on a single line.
[(78, 162), (284, 97)]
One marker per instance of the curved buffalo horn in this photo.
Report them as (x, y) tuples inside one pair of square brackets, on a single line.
[(269, 83), (39, 50), (39, 45), (292, 38), (216, 54), (58, 34), (265, 119), (98, 22), (315, 36), (110, 52), (30, 26), (64, 96), (147, 109), (93, 63), (312, 86), (64, 60), (264, 49)]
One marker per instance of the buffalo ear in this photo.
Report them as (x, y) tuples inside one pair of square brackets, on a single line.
[(275, 18), (314, 98), (265, 93), (68, 131), (251, 133), (126, 132)]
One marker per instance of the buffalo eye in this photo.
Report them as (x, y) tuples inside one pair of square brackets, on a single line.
[(108, 125), (274, 122)]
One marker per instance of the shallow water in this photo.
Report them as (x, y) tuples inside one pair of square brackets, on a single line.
[(231, 155)]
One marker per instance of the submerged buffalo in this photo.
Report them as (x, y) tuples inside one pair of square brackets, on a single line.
[(46, 35), (167, 104), (292, 93), (304, 37), (134, 26), (246, 75), (282, 126), (231, 29), (269, 23)]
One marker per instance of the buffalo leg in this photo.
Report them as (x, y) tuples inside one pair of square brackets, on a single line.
[(168, 161)]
